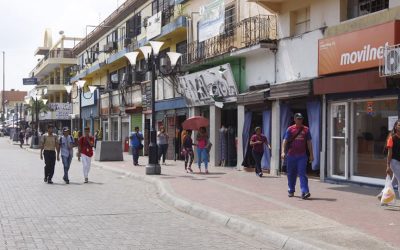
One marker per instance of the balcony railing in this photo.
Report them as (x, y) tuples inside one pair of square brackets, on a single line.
[(248, 32), (56, 53)]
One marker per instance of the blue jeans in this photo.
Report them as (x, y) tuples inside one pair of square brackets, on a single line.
[(162, 151), (66, 160), (135, 155), (297, 165), (202, 156)]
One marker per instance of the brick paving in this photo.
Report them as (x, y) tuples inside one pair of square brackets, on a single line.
[(111, 212), (346, 216)]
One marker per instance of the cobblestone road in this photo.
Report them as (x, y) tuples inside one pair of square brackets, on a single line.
[(111, 212)]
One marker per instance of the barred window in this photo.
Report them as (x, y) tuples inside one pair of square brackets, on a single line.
[(358, 8), (230, 18)]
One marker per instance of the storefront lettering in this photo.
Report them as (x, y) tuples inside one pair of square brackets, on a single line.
[(368, 53)]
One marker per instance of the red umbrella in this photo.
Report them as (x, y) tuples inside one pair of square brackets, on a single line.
[(195, 123)]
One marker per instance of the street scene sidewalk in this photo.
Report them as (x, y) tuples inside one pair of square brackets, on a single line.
[(336, 216)]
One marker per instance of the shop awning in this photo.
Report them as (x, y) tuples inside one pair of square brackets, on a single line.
[(175, 103), (253, 97), (283, 90), (358, 81)]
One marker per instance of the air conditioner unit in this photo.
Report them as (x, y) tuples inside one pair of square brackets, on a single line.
[(392, 61)]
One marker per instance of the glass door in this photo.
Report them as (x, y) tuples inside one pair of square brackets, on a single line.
[(339, 146)]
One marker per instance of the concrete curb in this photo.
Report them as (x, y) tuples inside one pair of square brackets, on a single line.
[(238, 224), (232, 222)]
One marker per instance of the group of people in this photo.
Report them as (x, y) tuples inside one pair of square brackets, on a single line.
[(202, 143), (296, 142), (52, 146)]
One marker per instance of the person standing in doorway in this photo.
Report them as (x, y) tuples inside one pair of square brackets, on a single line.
[(202, 154), (257, 142), (85, 151), (296, 141), (162, 142), (136, 144), (48, 149), (66, 146)]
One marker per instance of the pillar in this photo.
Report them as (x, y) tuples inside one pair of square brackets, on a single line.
[(61, 75), (215, 124), (61, 97), (322, 166), (275, 138), (119, 128), (109, 128), (240, 120)]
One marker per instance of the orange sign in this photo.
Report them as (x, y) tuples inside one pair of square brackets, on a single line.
[(356, 50)]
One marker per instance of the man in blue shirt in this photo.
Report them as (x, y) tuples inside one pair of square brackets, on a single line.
[(136, 144), (66, 146)]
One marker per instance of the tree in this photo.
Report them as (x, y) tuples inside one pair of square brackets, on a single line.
[(41, 108)]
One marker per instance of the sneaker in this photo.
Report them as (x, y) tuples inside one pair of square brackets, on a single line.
[(45, 179), (305, 196), (290, 195), (206, 171), (379, 196), (260, 174), (50, 181), (191, 170), (86, 180)]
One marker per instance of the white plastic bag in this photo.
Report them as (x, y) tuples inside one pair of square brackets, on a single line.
[(388, 194)]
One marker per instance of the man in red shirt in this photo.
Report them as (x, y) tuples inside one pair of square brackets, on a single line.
[(85, 151), (257, 142), (294, 146)]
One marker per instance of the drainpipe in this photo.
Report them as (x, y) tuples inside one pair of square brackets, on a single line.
[(275, 50)]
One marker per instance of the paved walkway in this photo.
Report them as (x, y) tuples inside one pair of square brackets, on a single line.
[(336, 216)]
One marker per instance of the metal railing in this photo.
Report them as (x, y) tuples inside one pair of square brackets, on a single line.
[(246, 33), (56, 53)]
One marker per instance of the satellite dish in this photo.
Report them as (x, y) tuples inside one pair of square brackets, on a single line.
[(61, 32)]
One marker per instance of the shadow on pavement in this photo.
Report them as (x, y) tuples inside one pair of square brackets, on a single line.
[(322, 199), (358, 190)]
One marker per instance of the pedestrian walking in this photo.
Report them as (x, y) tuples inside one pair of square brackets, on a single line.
[(202, 154), (393, 154), (49, 148), (136, 145), (296, 141), (187, 150), (257, 142), (66, 146), (85, 151), (162, 142), (21, 137), (75, 135)]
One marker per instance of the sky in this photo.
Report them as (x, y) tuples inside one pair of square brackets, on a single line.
[(22, 27)]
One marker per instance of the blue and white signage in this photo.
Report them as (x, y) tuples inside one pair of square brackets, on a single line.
[(212, 20), (29, 81)]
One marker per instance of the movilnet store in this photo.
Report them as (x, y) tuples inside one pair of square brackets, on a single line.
[(360, 106)]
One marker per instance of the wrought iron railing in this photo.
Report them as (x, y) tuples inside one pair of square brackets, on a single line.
[(246, 33)]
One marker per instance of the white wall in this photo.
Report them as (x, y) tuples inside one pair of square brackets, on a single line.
[(260, 68), (298, 57), (394, 3)]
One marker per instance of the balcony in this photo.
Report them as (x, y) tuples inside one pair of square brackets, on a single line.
[(271, 5), (53, 60), (252, 31)]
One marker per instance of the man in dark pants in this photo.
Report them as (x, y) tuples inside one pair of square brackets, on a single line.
[(49, 146), (257, 141), (136, 144)]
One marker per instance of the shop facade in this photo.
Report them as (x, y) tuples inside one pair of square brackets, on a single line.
[(360, 106)]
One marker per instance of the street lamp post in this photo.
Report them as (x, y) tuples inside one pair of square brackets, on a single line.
[(80, 85), (4, 86), (150, 54)]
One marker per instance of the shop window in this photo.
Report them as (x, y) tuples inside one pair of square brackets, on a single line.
[(358, 8), (300, 20), (371, 128)]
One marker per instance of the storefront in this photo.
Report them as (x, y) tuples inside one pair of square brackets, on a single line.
[(171, 114), (212, 93), (361, 107)]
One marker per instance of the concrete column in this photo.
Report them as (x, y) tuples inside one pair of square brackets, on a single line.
[(61, 75), (215, 124), (119, 128), (240, 115), (275, 138), (61, 97), (109, 128), (323, 161)]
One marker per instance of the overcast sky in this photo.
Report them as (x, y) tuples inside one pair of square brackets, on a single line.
[(23, 23)]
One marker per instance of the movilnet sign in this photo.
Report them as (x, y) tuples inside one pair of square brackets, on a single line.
[(207, 86), (356, 50)]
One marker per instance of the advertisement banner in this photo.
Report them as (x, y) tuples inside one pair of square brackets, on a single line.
[(355, 50), (61, 111), (153, 26), (209, 86), (212, 20)]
